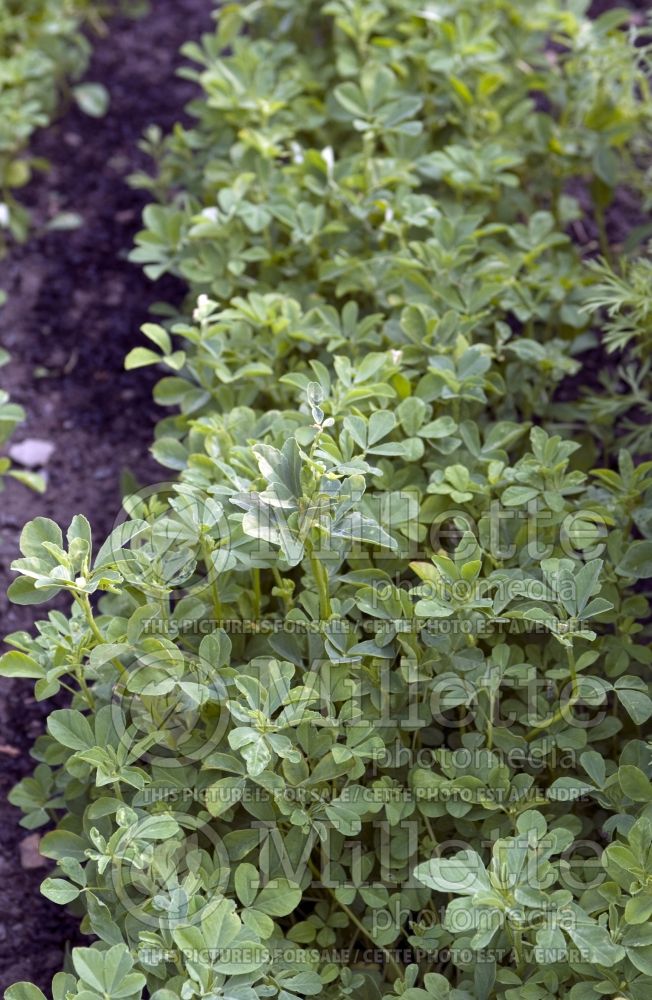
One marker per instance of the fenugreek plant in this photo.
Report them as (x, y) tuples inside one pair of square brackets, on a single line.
[(361, 710)]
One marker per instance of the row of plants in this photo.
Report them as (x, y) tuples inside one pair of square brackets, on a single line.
[(358, 698)]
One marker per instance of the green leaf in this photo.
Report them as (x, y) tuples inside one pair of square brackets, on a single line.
[(15, 664), (568, 789), (594, 765), (70, 728), (278, 898), (59, 891), (518, 496), (593, 940), (637, 703), (634, 783), (35, 532), (224, 794), (65, 221), (247, 883), (33, 480), (158, 335), (92, 98), (464, 874), (140, 357), (639, 909), (23, 591), (24, 991), (637, 561)]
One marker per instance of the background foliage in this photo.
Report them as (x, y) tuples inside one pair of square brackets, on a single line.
[(42, 47)]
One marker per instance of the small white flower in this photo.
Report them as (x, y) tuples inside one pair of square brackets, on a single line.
[(430, 14), (81, 581), (203, 306), (4, 215), (328, 157), (396, 356)]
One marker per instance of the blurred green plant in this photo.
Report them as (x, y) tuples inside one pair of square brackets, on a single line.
[(43, 51)]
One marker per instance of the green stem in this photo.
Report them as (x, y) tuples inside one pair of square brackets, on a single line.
[(214, 588), (517, 938), (255, 575), (81, 680), (490, 723), (561, 712), (85, 603), (320, 574), (430, 830), (391, 962), (278, 580), (68, 688)]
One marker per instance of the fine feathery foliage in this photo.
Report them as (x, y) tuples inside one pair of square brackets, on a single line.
[(361, 709)]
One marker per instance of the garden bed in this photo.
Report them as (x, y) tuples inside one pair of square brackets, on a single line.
[(74, 311)]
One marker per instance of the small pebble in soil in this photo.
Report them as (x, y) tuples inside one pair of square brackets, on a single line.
[(32, 453), (103, 472), (30, 856)]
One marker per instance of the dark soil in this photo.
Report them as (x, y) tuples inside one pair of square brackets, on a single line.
[(75, 308), (602, 6)]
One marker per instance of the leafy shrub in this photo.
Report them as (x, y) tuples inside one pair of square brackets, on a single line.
[(363, 700)]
